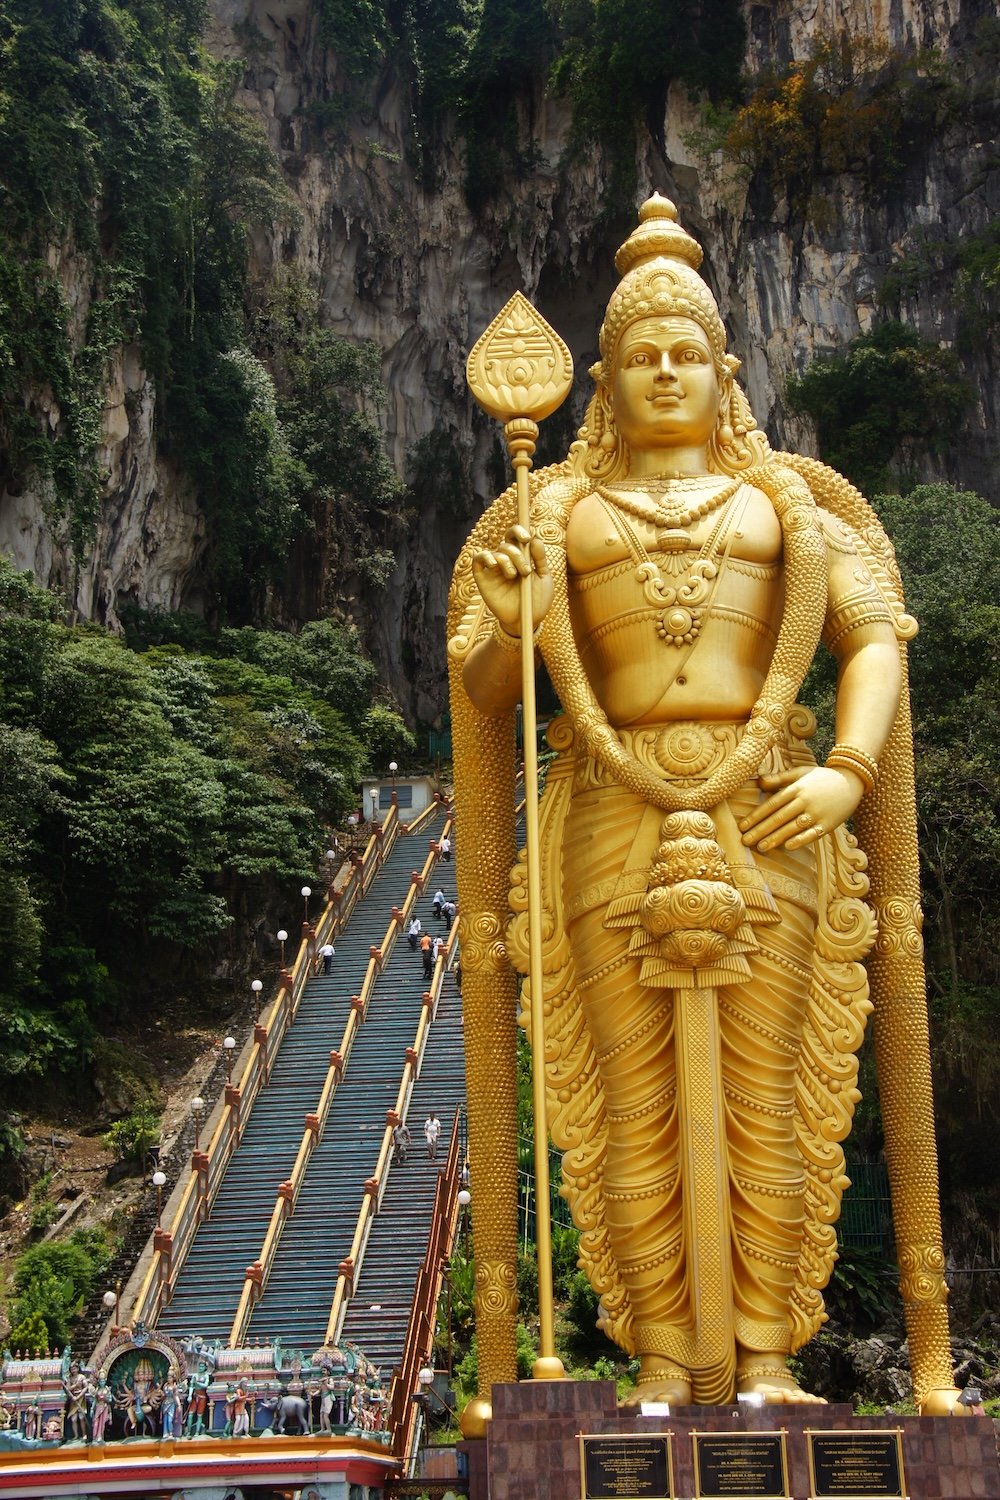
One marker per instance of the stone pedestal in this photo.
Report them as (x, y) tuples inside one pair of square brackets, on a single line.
[(531, 1451)]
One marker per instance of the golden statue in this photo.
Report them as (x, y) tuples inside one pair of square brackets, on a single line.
[(703, 916)]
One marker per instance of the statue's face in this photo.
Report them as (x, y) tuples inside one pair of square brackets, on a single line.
[(665, 392)]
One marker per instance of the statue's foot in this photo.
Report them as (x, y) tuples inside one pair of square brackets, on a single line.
[(770, 1378), (660, 1380)]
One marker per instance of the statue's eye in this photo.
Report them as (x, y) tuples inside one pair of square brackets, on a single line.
[(638, 359)]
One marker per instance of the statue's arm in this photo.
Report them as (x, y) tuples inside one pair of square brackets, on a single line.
[(804, 804), (859, 631), (492, 672)]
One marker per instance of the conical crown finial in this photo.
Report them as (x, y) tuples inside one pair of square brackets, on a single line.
[(658, 234)]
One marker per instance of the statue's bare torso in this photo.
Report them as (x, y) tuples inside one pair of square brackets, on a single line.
[(638, 677)]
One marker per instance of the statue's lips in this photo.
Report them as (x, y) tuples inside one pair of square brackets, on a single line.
[(666, 399)]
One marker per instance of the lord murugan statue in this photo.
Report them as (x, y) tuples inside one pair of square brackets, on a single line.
[(706, 912)]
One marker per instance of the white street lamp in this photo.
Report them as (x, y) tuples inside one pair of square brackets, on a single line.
[(159, 1180), (197, 1110), (228, 1047), (256, 986)]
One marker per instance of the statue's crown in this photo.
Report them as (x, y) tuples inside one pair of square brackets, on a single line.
[(659, 264), (658, 234)]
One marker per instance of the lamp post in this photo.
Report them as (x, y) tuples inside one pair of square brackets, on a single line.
[(306, 893), (282, 936), (159, 1180), (228, 1048), (464, 1199), (393, 768), (257, 986), (352, 823), (114, 1300), (197, 1110)]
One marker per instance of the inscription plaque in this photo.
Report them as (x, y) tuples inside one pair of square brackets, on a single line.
[(740, 1464), (849, 1465), (626, 1467)]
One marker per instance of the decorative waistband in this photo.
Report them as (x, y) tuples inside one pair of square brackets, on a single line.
[(686, 751)]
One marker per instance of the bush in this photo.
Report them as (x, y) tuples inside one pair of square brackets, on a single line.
[(53, 1283), (30, 1337), (13, 1158), (862, 1289), (43, 1211), (132, 1138), (853, 105)]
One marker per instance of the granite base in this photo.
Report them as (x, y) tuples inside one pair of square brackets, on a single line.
[(531, 1451)]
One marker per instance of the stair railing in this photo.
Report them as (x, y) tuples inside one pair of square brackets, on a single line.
[(439, 804), (423, 1315), (349, 1270), (355, 876), (208, 1167), (259, 1271)]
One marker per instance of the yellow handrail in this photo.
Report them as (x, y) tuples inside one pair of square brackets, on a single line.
[(420, 1332)]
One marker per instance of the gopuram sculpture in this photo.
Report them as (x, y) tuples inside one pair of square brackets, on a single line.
[(706, 912)]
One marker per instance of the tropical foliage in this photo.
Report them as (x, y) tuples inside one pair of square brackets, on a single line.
[(145, 794)]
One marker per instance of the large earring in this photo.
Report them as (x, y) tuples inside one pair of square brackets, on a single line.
[(607, 456), (728, 446)]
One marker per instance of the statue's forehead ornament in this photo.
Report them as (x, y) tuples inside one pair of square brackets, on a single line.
[(659, 262)]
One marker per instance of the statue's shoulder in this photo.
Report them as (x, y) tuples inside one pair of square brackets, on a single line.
[(553, 501), (841, 538)]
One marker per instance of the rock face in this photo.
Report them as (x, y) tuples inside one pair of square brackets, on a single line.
[(416, 272)]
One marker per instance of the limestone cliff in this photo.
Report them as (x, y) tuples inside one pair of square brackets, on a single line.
[(410, 267)]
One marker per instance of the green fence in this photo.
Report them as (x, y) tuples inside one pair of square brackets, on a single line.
[(866, 1211)]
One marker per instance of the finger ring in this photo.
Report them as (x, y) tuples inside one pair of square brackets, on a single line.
[(804, 820)]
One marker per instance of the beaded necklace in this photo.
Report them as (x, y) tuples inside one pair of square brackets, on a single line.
[(663, 513)]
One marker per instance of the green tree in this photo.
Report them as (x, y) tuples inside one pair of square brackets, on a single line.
[(884, 404)]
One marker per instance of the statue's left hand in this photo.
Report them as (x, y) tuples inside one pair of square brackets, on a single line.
[(804, 804)]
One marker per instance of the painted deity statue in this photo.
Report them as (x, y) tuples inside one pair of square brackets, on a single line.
[(703, 903)]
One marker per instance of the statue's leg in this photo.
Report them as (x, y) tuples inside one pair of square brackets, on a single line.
[(632, 1029)]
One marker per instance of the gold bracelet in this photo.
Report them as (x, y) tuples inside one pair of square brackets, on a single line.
[(848, 758), (510, 643)]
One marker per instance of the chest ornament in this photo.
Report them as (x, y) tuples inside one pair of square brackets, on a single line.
[(679, 590)]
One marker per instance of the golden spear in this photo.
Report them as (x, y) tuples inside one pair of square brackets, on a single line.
[(520, 371)]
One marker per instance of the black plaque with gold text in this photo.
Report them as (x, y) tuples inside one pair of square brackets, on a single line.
[(745, 1465), (626, 1468), (851, 1464)]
